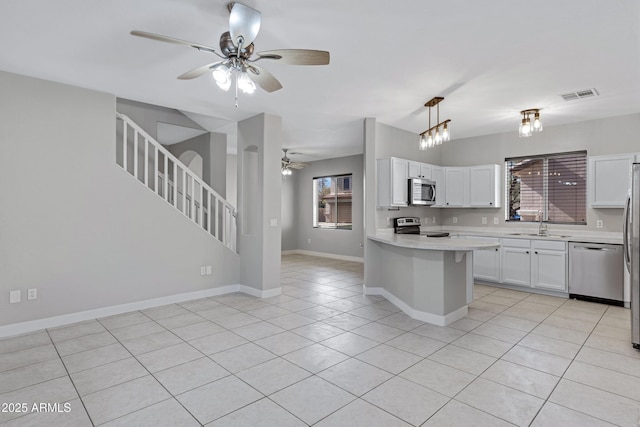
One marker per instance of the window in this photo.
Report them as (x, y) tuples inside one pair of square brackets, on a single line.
[(552, 185), (332, 202)]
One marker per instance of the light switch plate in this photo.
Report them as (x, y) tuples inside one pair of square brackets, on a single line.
[(15, 296), (484, 220), (455, 219), (274, 222), (496, 220), (209, 270), (203, 271)]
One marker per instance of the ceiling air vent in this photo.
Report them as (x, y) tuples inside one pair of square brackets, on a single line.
[(587, 93)]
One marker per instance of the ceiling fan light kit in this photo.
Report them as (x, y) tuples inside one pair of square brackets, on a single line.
[(432, 136), (527, 128), (236, 51)]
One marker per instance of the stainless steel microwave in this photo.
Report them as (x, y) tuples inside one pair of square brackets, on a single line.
[(422, 192)]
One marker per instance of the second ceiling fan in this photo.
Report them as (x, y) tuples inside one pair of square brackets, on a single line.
[(237, 54)]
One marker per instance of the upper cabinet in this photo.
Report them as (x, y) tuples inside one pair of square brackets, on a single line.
[(419, 170), (484, 186), (456, 187), (437, 175), (461, 187), (393, 184), (609, 180)]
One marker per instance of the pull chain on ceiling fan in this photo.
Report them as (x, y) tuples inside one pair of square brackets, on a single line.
[(237, 53)]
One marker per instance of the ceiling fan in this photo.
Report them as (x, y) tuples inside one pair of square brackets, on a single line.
[(237, 53), (286, 164)]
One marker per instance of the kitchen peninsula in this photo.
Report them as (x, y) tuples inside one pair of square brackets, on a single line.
[(429, 278)]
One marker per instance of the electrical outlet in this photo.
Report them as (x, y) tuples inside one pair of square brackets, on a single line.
[(425, 221), (32, 293), (433, 219), (455, 219), (209, 270), (15, 296), (361, 245), (599, 223), (484, 220), (309, 240), (496, 221), (203, 271)]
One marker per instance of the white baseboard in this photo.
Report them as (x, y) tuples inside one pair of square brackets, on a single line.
[(260, 294), (323, 255), (81, 316), (423, 316)]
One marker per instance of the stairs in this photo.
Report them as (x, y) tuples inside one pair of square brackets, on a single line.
[(161, 172)]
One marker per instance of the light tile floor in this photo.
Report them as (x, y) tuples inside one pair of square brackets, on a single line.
[(323, 354)]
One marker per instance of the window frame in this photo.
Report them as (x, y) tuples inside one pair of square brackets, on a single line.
[(315, 201), (545, 185)]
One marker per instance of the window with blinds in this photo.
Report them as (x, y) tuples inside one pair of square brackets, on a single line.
[(552, 186)]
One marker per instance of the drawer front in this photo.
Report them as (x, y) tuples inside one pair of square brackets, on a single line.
[(516, 243), (552, 245)]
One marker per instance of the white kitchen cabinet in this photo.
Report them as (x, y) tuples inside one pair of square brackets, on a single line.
[(437, 175), (516, 262), (486, 263), (419, 170), (484, 186), (549, 265), (456, 188), (393, 184), (609, 180)]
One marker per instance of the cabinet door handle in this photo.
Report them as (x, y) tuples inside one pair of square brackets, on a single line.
[(490, 203), (496, 249), (527, 251), (536, 252)]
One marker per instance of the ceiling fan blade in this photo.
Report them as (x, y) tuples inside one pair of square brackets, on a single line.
[(263, 78), (298, 165), (297, 56), (197, 72), (167, 39), (244, 22)]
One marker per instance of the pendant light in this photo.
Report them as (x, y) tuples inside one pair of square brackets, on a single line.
[(433, 136), (527, 128)]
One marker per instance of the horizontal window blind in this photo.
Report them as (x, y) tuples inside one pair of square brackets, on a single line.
[(552, 186)]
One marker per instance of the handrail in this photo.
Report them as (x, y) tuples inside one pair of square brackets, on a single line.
[(192, 197)]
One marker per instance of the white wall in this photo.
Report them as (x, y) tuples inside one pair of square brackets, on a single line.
[(290, 212), (232, 179), (604, 136), (338, 242), (76, 226), (394, 142)]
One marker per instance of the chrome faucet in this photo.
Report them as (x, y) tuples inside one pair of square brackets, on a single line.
[(542, 228)]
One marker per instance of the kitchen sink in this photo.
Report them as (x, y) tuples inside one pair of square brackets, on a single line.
[(539, 235)]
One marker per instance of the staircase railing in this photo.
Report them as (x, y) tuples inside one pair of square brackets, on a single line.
[(161, 172)]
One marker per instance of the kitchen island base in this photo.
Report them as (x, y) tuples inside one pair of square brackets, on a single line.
[(432, 286)]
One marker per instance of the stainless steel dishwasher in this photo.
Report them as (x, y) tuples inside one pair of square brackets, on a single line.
[(596, 272)]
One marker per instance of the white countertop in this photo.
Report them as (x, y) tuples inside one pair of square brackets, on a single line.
[(612, 238), (413, 241)]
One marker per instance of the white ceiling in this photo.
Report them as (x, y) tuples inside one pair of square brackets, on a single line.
[(490, 59)]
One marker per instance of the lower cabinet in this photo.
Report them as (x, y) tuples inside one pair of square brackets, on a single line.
[(486, 263), (538, 264), (516, 262), (549, 265)]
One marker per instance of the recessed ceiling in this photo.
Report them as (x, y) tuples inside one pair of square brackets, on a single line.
[(490, 60)]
